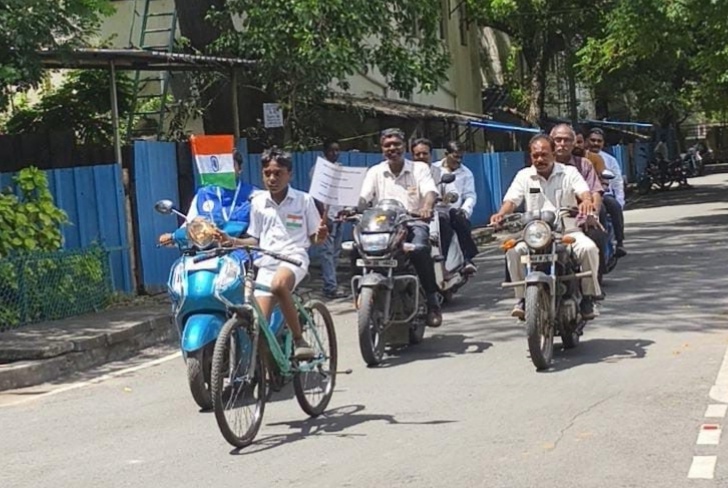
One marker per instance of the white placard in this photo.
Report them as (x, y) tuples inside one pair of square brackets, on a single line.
[(272, 115), (337, 185)]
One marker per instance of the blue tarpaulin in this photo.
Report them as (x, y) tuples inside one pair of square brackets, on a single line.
[(503, 127)]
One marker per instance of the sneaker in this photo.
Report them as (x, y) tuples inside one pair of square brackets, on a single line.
[(336, 294), (519, 310), (434, 316), (470, 268), (587, 308), (303, 350), (620, 252)]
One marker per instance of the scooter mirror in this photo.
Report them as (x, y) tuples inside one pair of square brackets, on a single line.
[(447, 178), (164, 207), (608, 175), (451, 197)]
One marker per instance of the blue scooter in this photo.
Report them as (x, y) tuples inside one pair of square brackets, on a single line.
[(201, 288)]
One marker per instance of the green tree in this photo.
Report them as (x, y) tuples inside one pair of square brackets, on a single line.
[(304, 47), (539, 30), (81, 105), (30, 25)]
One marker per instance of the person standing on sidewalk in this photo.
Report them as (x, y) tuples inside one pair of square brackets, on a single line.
[(331, 248)]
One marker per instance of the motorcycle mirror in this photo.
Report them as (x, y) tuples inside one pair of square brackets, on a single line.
[(451, 197), (447, 178), (164, 207), (608, 175)]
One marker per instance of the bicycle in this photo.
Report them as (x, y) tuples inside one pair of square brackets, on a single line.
[(244, 368)]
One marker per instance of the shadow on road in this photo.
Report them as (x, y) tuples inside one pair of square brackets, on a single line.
[(333, 422), (435, 347), (593, 351)]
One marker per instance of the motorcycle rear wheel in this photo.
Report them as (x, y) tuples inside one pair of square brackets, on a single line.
[(371, 342), (198, 375), (539, 332)]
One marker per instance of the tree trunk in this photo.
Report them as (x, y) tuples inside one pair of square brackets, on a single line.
[(571, 81), (536, 60)]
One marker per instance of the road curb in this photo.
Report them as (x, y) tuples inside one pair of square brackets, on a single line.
[(88, 353)]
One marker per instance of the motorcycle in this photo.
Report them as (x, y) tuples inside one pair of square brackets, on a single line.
[(693, 162), (450, 264), (610, 252), (390, 302), (553, 292), (198, 290), (661, 174)]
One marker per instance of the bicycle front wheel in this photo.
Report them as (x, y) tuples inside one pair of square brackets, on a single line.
[(238, 383), (315, 381)]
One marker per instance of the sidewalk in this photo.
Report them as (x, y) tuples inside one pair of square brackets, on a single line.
[(39, 353)]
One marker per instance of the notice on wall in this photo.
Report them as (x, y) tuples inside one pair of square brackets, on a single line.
[(272, 115), (337, 185)]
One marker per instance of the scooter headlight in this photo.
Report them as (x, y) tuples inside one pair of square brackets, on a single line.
[(230, 271), (374, 242), (201, 232), (176, 280), (537, 234)]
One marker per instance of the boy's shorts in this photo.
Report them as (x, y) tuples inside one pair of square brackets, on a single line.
[(266, 273)]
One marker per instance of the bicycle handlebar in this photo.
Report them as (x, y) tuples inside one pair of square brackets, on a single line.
[(225, 250)]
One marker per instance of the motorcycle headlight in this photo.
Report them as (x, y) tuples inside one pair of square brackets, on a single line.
[(374, 242), (201, 232), (537, 234), (176, 280), (230, 271)]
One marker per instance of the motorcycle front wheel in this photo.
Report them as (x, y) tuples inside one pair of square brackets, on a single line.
[(539, 332), (371, 342), (199, 364)]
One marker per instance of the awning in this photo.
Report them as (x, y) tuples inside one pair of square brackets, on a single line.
[(136, 60), (401, 108), (502, 127)]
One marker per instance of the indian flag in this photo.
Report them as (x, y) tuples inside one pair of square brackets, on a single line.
[(214, 159), (294, 221)]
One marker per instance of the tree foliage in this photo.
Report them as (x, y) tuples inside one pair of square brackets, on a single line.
[(30, 25), (81, 104), (304, 47)]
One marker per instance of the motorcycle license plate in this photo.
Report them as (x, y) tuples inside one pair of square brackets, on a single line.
[(537, 258), (376, 263)]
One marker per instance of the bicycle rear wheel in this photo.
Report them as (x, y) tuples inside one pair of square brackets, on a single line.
[(238, 383), (315, 381)]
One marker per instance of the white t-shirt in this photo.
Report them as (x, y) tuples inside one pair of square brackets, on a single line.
[(464, 185), (284, 228)]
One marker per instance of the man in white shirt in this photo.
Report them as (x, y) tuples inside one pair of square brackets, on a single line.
[(410, 183), (462, 210), (542, 185), (285, 221), (613, 200), (331, 249)]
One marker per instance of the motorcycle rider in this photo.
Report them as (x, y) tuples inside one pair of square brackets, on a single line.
[(460, 211), (564, 138), (286, 221), (412, 184), (614, 196), (220, 205), (540, 185)]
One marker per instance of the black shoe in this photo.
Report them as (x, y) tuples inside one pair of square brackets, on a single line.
[(434, 316), (620, 251), (587, 308), (336, 294), (601, 297), (519, 311)]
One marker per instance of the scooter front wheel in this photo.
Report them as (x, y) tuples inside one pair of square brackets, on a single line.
[(199, 363)]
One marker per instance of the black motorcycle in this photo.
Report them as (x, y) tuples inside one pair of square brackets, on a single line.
[(553, 292), (391, 304), (661, 174)]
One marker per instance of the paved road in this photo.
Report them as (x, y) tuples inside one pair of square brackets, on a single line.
[(465, 408)]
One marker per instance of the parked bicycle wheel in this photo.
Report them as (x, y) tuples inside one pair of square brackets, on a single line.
[(314, 383)]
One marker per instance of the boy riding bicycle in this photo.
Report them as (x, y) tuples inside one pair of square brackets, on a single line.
[(286, 221)]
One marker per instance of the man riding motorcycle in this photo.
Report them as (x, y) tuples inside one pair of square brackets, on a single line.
[(412, 184), (548, 185)]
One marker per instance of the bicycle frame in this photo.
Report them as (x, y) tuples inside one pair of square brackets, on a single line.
[(280, 354)]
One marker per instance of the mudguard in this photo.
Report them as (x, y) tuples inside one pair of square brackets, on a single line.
[(201, 329), (375, 280), (538, 278)]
